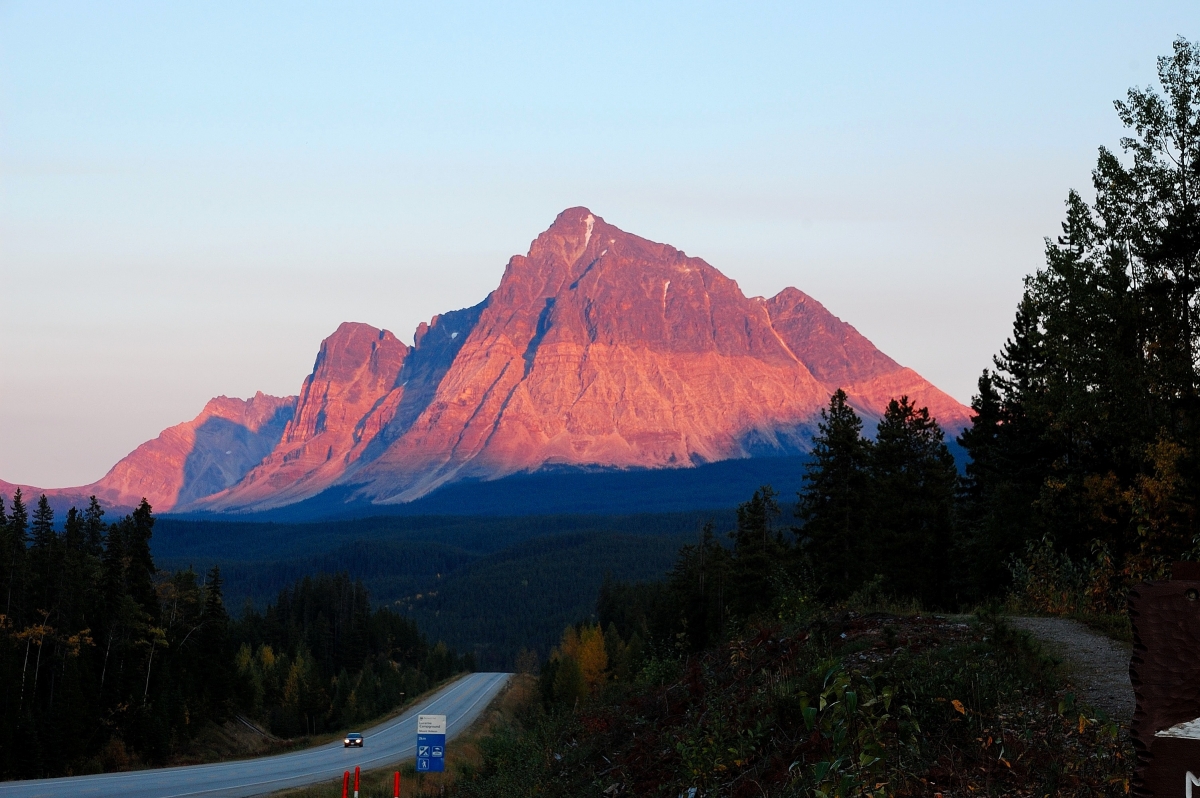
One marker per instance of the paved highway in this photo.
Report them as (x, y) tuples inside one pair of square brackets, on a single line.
[(393, 741)]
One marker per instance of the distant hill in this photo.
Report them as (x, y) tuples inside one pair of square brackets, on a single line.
[(487, 585)]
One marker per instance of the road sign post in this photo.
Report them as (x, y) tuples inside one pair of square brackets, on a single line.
[(1165, 730), (431, 743)]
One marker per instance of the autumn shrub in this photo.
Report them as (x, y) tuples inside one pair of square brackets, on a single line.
[(850, 705)]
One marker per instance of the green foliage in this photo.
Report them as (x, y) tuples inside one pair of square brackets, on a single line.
[(845, 705), (321, 658), (881, 509), (834, 503), (98, 651), (115, 664), (490, 586), (1087, 431)]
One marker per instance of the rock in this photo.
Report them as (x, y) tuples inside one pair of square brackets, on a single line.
[(597, 349)]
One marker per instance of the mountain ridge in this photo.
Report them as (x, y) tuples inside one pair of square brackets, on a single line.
[(598, 348)]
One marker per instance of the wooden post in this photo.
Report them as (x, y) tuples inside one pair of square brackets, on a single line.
[(1166, 683)]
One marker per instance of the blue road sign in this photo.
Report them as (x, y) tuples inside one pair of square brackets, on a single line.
[(431, 753), (431, 743)]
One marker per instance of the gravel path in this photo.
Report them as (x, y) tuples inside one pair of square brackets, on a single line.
[(1099, 664)]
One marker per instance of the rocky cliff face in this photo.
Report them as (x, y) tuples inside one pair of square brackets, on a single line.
[(355, 370), (188, 461), (598, 349)]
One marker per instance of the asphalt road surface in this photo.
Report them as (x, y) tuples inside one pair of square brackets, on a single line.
[(393, 741)]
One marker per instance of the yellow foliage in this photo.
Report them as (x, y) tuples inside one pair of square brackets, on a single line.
[(585, 648), (266, 656), (592, 658)]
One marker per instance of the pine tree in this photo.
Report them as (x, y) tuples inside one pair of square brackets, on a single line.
[(44, 559), (758, 554), (140, 575), (18, 527), (216, 673), (1100, 379), (913, 485), (93, 526), (834, 502), (5, 548), (698, 584)]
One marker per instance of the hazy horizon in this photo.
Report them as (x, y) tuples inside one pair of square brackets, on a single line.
[(191, 198)]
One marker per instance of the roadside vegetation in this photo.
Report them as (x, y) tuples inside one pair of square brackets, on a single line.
[(798, 661), (815, 659), (107, 663)]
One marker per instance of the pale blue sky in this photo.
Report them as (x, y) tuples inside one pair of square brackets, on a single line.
[(193, 195)]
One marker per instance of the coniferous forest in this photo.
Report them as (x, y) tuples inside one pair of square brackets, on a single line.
[(803, 659), (107, 663), (777, 658)]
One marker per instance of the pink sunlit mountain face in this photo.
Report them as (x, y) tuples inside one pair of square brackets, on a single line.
[(185, 462), (597, 349)]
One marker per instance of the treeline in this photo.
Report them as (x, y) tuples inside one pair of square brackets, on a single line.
[(1086, 443), (1084, 472), (107, 662), (875, 515), (321, 658)]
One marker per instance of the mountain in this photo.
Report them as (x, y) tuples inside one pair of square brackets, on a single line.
[(599, 350), (185, 462)]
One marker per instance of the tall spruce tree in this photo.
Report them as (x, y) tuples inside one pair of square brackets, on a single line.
[(835, 499), (758, 554), (698, 584), (913, 486), (44, 560), (93, 527), (216, 674), (139, 527), (18, 537), (1092, 433)]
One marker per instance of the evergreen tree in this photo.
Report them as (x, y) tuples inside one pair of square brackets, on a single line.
[(913, 486), (93, 526), (1089, 430), (5, 548), (833, 504), (758, 554), (18, 536), (216, 674), (698, 583), (44, 557), (139, 527)]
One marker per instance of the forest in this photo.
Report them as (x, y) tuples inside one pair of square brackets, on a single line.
[(791, 649), (807, 658), (108, 663)]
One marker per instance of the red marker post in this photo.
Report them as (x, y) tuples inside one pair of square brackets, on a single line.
[(396, 789), (356, 781), (345, 784)]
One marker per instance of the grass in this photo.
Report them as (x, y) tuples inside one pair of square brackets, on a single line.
[(1114, 627)]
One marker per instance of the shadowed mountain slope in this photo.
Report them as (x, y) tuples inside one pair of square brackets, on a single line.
[(187, 461)]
